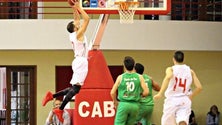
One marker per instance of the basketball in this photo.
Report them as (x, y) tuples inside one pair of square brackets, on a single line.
[(71, 2)]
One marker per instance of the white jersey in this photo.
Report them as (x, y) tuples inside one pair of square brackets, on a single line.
[(181, 81), (80, 48), (80, 63)]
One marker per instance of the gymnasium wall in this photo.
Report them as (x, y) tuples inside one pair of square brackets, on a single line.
[(142, 35), (44, 43)]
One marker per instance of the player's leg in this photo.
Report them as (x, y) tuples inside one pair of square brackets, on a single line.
[(121, 114), (62, 92), (183, 113), (49, 96), (133, 109), (141, 113), (72, 91), (145, 113), (80, 70), (169, 109), (148, 115)]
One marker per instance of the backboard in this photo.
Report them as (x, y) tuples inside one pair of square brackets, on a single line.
[(157, 7)]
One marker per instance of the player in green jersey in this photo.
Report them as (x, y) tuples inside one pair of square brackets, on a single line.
[(130, 86), (146, 103)]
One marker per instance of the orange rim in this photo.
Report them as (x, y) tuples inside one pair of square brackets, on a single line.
[(124, 5)]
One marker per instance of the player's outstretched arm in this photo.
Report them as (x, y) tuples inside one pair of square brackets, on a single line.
[(166, 80), (76, 15), (82, 29), (197, 84)]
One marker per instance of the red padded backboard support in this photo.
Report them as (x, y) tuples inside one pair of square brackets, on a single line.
[(94, 107), (98, 75), (93, 104)]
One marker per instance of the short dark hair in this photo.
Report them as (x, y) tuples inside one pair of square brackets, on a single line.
[(139, 68), (129, 63), (179, 56), (70, 27)]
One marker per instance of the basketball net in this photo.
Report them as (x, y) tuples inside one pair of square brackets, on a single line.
[(126, 11)]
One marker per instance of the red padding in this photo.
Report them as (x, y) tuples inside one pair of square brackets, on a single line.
[(94, 107), (99, 75)]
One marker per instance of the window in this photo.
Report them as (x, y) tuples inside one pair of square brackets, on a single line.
[(18, 10), (21, 95), (203, 10)]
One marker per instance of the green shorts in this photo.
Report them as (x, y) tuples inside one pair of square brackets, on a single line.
[(145, 113), (126, 113)]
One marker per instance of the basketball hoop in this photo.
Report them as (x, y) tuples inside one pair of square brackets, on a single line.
[(126, 11)]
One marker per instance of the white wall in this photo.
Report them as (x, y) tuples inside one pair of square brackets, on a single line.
[(142, 35)]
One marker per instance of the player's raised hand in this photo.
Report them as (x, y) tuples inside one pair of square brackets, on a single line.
[(77, 4)]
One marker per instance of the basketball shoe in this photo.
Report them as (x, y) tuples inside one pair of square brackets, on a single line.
[(48, 97)]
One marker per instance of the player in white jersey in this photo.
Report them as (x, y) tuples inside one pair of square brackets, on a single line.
[(79, 64), (177, 82)]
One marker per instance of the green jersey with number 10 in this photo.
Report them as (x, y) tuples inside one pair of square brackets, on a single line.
[(129, 88)]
